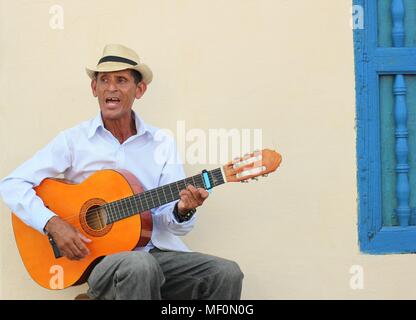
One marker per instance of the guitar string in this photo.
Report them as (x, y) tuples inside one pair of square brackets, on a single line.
[(150, 194), (216, 173), (147, 194), (110, 216)]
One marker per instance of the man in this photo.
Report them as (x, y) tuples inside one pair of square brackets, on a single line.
[(119, 139)]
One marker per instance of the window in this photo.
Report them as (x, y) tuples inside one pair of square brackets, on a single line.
[(385, 69)]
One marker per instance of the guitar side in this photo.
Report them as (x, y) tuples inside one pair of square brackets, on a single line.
[(73, 202)]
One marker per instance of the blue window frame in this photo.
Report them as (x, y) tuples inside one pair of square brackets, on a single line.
[(385, 70)]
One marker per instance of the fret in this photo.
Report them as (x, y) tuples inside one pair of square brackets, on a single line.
[(193, 182), (159, 200), (123, 208), (147, 198), (119, 206), (199, 181), (202, 181), (113, 211), (130, 204), (171, 192), (177, 184), (144, 196), (118, 209), (217, 177), (163, 190), (133, 206), (140, 203), (109, 214), (163, 198), (210, 178), (153, 194), (174, 195), (127, 209), (187, 182)]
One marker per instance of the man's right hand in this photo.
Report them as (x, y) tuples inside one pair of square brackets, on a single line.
[(68, 239)]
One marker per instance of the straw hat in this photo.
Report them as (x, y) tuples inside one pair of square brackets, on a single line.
[(117, 57)]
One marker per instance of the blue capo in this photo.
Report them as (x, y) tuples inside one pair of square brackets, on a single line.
[(207, 183)]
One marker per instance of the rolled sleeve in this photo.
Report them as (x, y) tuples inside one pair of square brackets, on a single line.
[(164, 217)]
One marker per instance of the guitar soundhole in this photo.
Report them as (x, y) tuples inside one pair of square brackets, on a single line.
[(93, 218), (96, 218)]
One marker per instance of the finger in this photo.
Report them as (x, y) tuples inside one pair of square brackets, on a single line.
[(193, 200), (185, 199), (84, 238), (203, 193), (200, 194), (186, 202), (77, 252), (197, 198), (67, 252), (191, 188), (82, 247), (65, 249)]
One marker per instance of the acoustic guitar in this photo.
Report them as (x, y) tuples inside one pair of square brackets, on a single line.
[(112, 209)]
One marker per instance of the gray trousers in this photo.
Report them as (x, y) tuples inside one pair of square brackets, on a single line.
[(139, 275)]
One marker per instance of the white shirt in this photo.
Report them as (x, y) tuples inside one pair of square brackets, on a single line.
[(151, 155)]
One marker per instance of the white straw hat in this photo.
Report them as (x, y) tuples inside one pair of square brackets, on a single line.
[(117, 57)]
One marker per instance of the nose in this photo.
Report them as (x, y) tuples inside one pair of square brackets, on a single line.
[(112, 85)]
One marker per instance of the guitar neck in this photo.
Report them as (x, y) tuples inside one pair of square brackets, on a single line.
[(159, 196)]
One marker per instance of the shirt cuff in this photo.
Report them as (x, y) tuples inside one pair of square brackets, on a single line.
[(42, 216)]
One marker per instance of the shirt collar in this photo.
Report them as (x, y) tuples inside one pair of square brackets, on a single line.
[(97, 122)]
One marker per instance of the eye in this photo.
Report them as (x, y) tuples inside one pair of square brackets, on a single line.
[(122, 79)]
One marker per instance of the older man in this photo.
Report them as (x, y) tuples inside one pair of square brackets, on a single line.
[(117, 138)]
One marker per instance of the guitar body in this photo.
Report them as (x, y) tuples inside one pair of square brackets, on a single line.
[(77, 204)]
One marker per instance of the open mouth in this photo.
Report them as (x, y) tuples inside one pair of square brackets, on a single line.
[(112, 101)]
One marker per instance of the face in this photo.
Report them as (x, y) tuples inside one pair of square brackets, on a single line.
[(116, 92)]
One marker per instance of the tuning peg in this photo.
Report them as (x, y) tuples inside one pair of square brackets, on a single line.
[(244, 181), (265, 175), (255, 178)]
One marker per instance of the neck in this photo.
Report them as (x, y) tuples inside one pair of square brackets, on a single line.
[(122, 128), (153, 198)]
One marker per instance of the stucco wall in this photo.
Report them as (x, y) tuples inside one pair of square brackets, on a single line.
[(285, 67)]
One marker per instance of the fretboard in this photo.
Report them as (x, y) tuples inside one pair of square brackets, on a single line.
[(157, 197)]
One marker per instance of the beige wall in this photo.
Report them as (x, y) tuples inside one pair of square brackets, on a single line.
[(283, 66)]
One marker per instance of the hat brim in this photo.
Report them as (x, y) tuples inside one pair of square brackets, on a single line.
[(118, 66)]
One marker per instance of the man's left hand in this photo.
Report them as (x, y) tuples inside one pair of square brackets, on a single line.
[(191, 198)]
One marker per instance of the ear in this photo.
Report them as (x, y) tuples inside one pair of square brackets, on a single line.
[(141, 89), (94, 87)]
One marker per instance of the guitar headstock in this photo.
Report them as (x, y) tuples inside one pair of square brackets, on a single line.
[(252, 165)]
